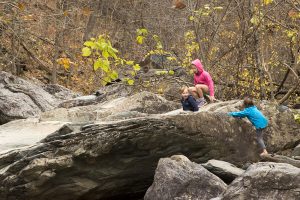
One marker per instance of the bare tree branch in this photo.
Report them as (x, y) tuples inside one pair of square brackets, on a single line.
[(290, 92)]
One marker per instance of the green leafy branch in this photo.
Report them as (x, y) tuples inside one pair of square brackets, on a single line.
[(158, 50), (106, 59)]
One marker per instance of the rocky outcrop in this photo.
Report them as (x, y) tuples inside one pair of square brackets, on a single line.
[(81, 101), (114, 91), (60, 92), (110, 150), (138, 105), (25, 132), (296, 151), (179, 178), (20, 99), (266, 181), (226, 171), (281, 159), (282, 119), (113, 160)]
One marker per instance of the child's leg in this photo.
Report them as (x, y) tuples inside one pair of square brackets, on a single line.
[(201, 89), (193, 91), (260, 140)]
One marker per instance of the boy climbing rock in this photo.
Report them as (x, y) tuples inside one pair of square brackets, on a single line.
[(258, 120)]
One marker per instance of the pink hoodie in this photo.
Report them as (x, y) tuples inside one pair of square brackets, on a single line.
[(203, 77)]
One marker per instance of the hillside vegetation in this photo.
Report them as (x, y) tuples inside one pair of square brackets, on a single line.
[(249, 46)]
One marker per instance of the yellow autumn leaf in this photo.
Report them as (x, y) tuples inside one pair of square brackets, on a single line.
[(114, 75), (130, 62), (254, 20), (218, 8), (86, 51), (130, 82), (140, 39), (86, 11), (136, 67), (21, 6), (171, 58), (160, 91), (291, 33), (65, 62), (171, 72), (132, 73), (266, 2), (28, 17), (206, 6)]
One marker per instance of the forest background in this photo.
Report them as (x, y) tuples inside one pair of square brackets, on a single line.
[(248, 46)]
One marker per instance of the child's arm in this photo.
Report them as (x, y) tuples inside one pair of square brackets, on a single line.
[(193, 103), (240, 114)]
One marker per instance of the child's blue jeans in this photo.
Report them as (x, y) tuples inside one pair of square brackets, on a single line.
[(260, 140)]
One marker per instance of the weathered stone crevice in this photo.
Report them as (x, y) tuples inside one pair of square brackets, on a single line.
[(20, 99), (14, 89), (4, 118)]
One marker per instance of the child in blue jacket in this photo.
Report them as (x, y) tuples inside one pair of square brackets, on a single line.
[(188, 101), (258, 120)]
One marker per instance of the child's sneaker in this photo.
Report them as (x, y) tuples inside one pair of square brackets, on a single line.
[(201, 102)]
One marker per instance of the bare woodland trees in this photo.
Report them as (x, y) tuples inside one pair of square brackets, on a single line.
[(249, 46)]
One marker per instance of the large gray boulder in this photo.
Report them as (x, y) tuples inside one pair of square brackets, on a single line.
[(282, 119), (121, 108), (179, 178), (106, 93), (60, 92), (110, 150), (25, 132), (281, 159), (20, 99), (266, 181), (81, 101), (226, 171), (296, 151)]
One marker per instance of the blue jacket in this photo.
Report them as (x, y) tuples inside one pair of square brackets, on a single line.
[(190, 104), (254, 115)]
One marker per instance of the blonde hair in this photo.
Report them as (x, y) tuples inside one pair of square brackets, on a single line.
[(183, 89)]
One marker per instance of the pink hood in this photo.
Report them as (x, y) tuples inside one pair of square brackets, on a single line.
[(203, 77), (198, 65)]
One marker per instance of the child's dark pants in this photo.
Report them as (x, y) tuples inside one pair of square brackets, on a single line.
[(260, 140)]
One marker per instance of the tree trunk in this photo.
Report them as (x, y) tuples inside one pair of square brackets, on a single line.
[(55, 57), (61, 23), (258, 63), (92, 21), (13, 45)]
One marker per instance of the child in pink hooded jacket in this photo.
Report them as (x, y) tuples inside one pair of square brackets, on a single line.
[(203, 83)]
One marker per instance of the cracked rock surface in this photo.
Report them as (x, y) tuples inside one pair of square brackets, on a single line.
[(20, 99), (266, 181)]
